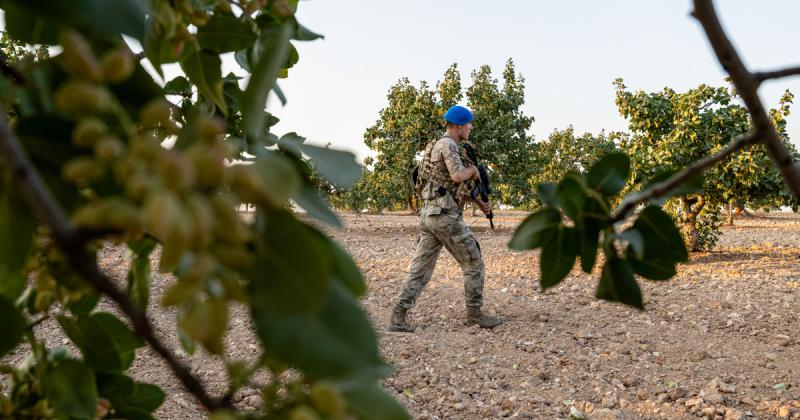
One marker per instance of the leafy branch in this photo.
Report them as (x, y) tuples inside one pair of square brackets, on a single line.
[(747, 84), (663, 188), (44, 205)]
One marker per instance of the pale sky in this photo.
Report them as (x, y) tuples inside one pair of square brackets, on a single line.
[(569, 52)]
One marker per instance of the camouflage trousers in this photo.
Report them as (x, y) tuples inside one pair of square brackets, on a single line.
[(448, 230)]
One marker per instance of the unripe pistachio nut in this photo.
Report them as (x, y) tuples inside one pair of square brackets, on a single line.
[(118, 65), (78, 97), (87, 131), (78, 56), (303, 412), (108, 149), (202, 216), (326, 398), (81, 170), (155, 113), (176, 170)]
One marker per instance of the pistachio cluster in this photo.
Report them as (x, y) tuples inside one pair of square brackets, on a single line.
[(185, 198)]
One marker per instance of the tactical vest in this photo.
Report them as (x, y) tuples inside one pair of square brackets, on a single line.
[(437, 174)]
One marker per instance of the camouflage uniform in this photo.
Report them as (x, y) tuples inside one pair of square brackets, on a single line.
[(441, 224)]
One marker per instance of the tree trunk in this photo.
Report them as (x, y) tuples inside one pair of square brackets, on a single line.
[(691, 208), (729, 213)]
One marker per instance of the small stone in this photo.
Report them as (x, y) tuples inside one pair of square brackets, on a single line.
[(606, 414), (678, 393), (458, 406), (783, 412), (662, 397), (692, 402), (623, 403), (779, 387), (709, 412), (576, 414), (699, 356), (609, 402)]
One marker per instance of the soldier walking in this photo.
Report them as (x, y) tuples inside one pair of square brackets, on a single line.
[(442, 184)]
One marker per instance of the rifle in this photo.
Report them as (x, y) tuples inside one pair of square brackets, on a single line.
[(483, 187)]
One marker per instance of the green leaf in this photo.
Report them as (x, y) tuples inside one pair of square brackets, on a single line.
[(335, 341), (105, 342), (635, 241), (187, 342), (618, 285), (337, 166), (609, 174), (178, 86), (111, 18), (204, 70), (280, 176), (139, 274), (28, 26), (70, 388), (652, 268), (373, 402), (546, 192), (589, 239), (146, 397), (304, 34), (284, 280), (85, 304), (241, 59), (137, 90), (310, 200), (344, 269), (263, 78), (662, 239), (12, 326), (17, 228), (206, 322), (536, 230), (558, 257), (595, 218), (279, 93), (224, 32), (129, 399), (571, 197)]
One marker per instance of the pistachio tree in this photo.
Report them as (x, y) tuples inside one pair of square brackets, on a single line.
[(669, 130), (637, 237), (564, 152), (95, 151), (500, 132), (414, 116)]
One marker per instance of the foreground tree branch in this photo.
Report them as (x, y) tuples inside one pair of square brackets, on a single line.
[(697, 168), (71, 242), (747, 85), (761, 76), (13, 74)]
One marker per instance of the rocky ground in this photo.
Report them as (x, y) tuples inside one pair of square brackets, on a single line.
[(719, 341)]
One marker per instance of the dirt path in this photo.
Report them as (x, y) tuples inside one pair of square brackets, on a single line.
[(719, 340)]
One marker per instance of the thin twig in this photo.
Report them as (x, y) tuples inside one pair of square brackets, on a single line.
[(747, 86), (9, 70), (662, 188), (44, 205), (761, 76)]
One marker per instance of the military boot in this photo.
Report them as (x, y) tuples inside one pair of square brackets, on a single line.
[(398, 322), (474, 316)]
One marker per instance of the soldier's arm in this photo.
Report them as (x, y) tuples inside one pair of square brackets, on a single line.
[(458, 172)]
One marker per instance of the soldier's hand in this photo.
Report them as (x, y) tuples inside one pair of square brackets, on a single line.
[(476, 174), (486, 208)]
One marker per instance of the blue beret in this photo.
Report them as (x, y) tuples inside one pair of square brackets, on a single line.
[(458, 115)]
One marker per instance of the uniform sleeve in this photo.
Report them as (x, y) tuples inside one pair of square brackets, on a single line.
[(451, 157)]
